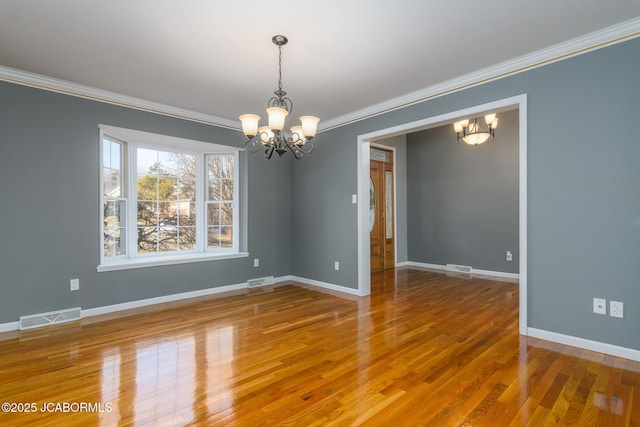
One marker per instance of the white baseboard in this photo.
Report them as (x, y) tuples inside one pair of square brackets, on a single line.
[(10, 326), (325, 285), (159, 300), (14, 326), (600, 347), (473, 270)]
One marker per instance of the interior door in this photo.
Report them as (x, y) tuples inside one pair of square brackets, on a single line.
[(381, 213), (375, 215)]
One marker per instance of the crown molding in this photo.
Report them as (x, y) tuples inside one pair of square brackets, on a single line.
[(577, 46), (596, 40), (39, 81)]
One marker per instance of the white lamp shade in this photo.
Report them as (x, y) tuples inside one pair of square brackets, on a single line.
[(297, 130), (494, 124), (476, 138), (457, 127), (277, 117), (489, 119), (309, 126), (250, 124), (265, 134)]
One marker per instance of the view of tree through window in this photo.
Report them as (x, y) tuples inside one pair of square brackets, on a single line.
[(166, 202), (166, 196), (220, 201)]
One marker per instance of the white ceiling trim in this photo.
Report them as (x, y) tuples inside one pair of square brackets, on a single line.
[(577, 46), (592, 41), (74, 89)]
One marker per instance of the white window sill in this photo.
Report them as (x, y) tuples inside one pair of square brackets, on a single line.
[(129, 263)]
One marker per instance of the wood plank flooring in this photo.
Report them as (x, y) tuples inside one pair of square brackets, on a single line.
[(424, 349)]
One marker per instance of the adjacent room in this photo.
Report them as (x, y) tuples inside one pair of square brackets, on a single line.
[(303, 213)]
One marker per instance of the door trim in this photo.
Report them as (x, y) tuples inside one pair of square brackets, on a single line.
[(364, 143)]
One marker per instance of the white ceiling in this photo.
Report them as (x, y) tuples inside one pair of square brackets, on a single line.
[(216, 57)]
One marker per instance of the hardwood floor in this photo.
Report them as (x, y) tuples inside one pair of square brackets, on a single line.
[(424, 349)]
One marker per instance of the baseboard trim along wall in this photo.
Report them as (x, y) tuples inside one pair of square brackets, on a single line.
[(10, 326), (600, 347), (439, 267), (325, 285)]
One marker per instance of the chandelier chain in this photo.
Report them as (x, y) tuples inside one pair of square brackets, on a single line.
[(279, 68)]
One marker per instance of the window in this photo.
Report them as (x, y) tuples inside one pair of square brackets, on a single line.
[(114, 204), (166, 200)]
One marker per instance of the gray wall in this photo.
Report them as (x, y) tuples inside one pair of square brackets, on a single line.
[(49, 208), (463, 200), (583, 196)]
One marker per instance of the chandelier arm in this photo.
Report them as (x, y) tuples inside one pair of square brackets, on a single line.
[(307, 147), (297, 153), (254, 144), (269, 152)]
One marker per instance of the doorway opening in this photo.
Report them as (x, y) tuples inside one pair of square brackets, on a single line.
[(364, 144), (382, 208)]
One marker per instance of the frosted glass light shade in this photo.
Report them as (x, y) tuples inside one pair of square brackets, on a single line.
[(265, 134), (457, 127), (494, 124), (489, 119), (297, 130), (476, 138), (277, 117), (250, 124), (309, 126)]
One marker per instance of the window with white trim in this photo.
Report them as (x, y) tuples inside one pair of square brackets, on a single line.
[(166, 200)]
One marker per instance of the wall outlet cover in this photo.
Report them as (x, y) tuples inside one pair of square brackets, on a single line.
[(616, 309), (600, 306)]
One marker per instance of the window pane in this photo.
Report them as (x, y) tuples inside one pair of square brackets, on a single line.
[(167, 239), (146, 159), (226, 189), (215, 192), (187, 189), (226, 237), (167, 164), (147, 214), (167, 214), (114, 213), (187, 238), (213, 237), (111, 170), (147, 239), (226, 214), (186, 213), (220, 176), (166, 199)]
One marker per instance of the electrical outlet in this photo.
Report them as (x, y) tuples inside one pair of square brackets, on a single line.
[(600, 306), (354, 198), (337, 265), (509, 256), (256, 262), (616, 309), (74, 284)]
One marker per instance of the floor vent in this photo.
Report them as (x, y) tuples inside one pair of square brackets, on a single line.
[(262, 281), (50, 318), (459, 268)]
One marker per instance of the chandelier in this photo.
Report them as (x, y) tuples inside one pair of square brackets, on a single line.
[(272, 137), (471, 133)]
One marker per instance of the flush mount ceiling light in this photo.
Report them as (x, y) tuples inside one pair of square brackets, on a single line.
[(470, 132), (272, 137)]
